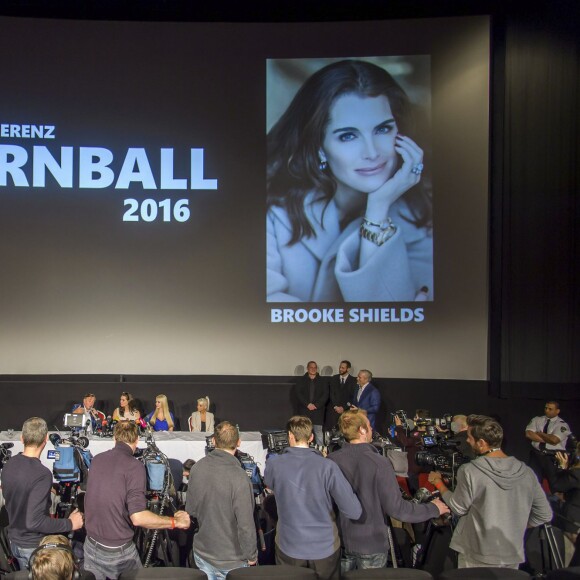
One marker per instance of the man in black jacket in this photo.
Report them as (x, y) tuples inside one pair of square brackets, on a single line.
[(342, 389), (312, 395)]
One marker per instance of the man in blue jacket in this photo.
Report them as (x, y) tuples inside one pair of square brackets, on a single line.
[(367, 396), (306, 486)]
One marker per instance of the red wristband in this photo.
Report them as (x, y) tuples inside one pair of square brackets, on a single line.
[(172, 523), (438, 484)]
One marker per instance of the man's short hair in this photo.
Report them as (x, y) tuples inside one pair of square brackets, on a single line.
[(53, 559), (555, 403), (368, 374), (126, 432), (351, 421), (92, 395), (485, 428), (300, 427), (34, 432), (226, 436), (423, 413), (460, 419), (347, 363)]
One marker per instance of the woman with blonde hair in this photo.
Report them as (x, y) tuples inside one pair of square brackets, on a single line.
[(161, 419), (202, 420)]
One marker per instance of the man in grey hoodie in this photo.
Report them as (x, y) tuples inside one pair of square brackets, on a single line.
[(496, 498)]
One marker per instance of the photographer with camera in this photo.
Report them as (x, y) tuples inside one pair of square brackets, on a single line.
[(459, 430), (412, 443), (496, 498), (26, 485), (567, 480), (373, 479), (115, 502)]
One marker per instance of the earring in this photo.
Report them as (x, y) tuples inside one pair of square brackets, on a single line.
[(323, 163)]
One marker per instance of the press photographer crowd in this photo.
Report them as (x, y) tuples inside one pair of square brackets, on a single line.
[(335, 495)]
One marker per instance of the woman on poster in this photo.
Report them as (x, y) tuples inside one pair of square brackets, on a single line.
[(348, 219)]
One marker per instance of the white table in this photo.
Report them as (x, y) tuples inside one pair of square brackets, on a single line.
[(180, 445)]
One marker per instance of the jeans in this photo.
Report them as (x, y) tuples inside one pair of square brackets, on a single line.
[(21, 554), (212, 572), (318, 434), (108, 563), (356, 561)]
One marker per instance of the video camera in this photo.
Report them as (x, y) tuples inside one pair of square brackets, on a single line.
[(5, 453), (275, 441), (570, 451), (441, 454), (159, 478), (443, 422)]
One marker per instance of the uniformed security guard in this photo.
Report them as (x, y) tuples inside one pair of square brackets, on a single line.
[(547, 433)]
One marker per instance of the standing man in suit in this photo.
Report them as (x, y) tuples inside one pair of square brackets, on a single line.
[(342, 389), (312, 395), (367, 396)]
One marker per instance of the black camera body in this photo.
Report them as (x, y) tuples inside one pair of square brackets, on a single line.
[(5, 453), (441, 454)]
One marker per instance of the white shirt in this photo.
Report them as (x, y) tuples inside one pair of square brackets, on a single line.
[(557, 427)]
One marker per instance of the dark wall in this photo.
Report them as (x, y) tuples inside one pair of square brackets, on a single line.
[(534, 228)]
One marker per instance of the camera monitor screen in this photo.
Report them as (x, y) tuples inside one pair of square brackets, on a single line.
[(74, 420)]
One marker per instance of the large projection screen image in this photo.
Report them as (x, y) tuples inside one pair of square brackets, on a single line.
[(238, 199)]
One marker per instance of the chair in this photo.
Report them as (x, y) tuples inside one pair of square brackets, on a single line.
[(274, 572), (164, 573), (387, 574), (572, 573), (490, 573)]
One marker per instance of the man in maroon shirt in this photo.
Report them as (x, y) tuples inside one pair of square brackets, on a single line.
[(114, 503)]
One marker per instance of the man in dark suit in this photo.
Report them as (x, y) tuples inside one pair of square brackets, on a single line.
[(342, 389), (367, 396), (312, 395)]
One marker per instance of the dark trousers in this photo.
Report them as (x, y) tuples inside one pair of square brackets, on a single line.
[(325, 568), (541, 464)]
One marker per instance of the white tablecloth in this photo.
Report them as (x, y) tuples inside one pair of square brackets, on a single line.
[(180, 445)]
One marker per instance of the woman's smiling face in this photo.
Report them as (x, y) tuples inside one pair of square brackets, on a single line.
[(359, 142)]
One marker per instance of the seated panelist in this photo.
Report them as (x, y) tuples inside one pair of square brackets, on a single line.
[(127, 410), (87, 408), (161, 419), (202, 420)]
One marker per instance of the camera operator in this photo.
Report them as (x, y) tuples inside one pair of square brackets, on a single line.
[(374, 481), (115, 502), (26, 485), (306, 485), (496, 498), (459, 430), (412, 443), (220, 496), (567, 513)]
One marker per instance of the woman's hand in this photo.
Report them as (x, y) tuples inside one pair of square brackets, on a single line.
[(562, 459), (408, 175), (398, 422)]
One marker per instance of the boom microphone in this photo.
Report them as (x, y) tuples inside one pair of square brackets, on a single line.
[(7, 445)]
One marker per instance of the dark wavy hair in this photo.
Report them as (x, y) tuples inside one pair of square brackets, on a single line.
[(295, 140)]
